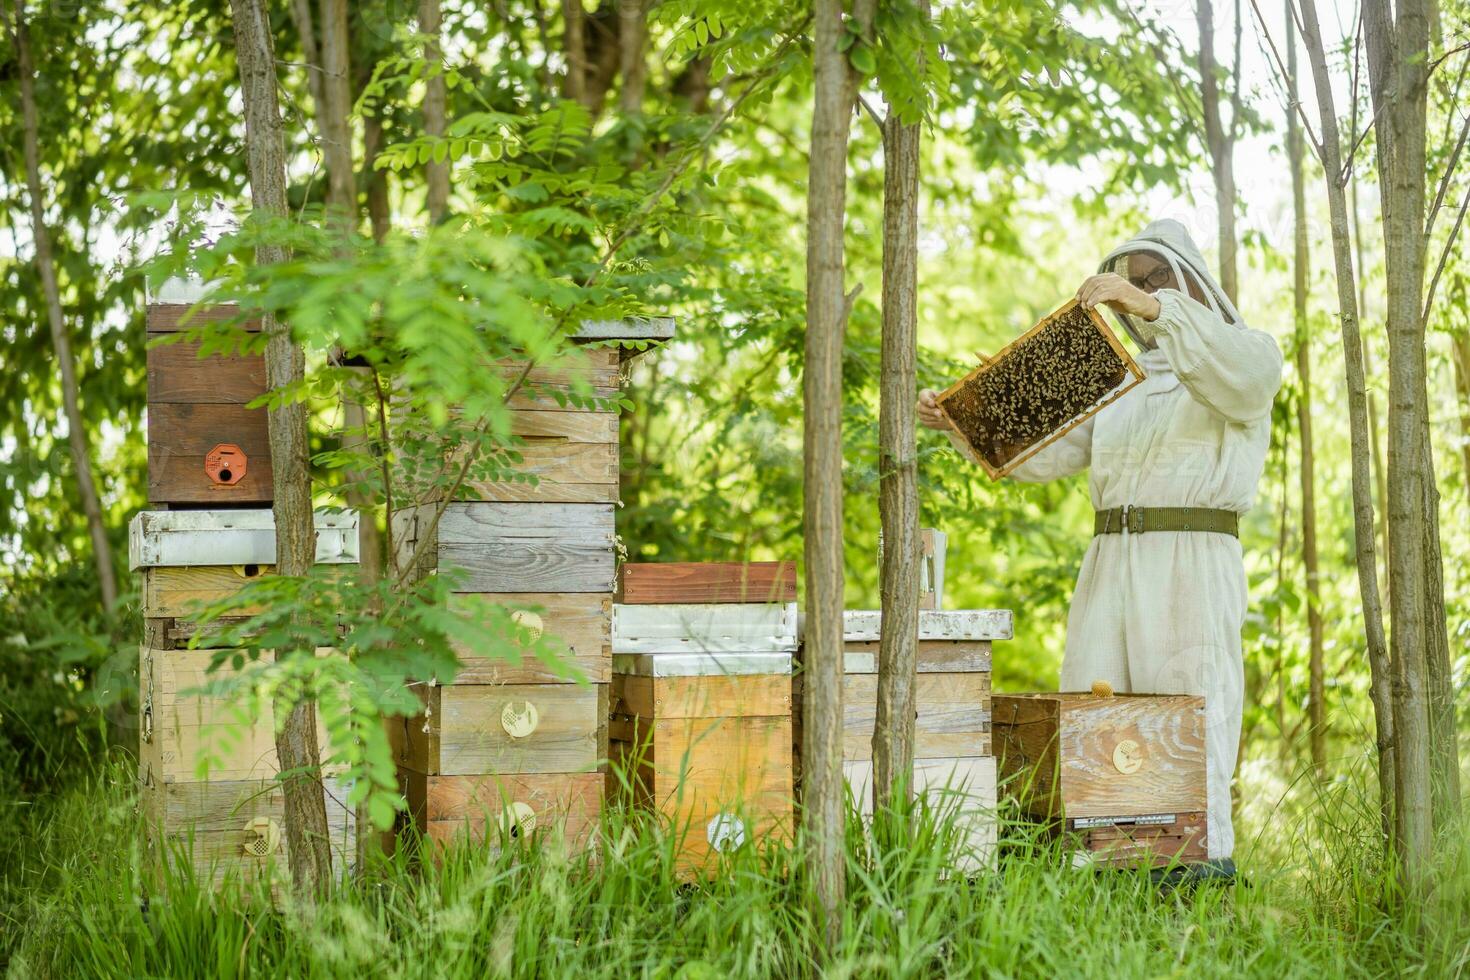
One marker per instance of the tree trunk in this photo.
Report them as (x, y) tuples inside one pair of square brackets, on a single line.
[(1220, 141), (1380, 470), (379, 216), (826, 323), (435, 98), (1397, 69), (1316, 710), (76, 431), (632, 64), (898, 484), (1362, 479), (296, 742), (574, 40), (1460, 354), (334, 117)]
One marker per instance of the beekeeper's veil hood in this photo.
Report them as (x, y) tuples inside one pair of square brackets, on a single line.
[(1168, 240)]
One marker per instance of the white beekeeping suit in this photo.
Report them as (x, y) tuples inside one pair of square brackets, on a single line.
[(1161, 612)]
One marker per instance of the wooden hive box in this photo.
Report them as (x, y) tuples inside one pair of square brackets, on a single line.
[(204, 445), (685, 582), (1038, 387), (701, 722), (207, 771), (1124, 775), (192, 558), (953, 766)]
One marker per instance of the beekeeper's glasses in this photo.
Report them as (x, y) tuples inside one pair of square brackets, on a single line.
[(1155, 280)]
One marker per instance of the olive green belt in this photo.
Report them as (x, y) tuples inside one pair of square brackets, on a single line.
[(1137, 520)]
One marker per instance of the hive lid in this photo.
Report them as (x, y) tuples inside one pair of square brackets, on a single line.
[(700, 664), (861, 625), (630, 328), (713, 627), (230, 537)]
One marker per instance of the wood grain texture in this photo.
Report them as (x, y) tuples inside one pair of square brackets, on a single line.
[(181, 434), (447, 807), (597, 366), (205, 824), (579, 625), (1057, 752), (180, 592), (182, 732), (516, 547), (934, 657), (707, 697), (704, 628), (953, 715), (565, 471), (544, 398), (703, 768), (171, 317), (962, 788), (691, 582), (466, 736), (176, 373), (1184, 839), (575, 426)]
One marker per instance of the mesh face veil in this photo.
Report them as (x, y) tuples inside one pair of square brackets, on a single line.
[(1168, 242)]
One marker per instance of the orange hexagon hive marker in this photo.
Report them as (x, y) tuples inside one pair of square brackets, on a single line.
[(225, 464)]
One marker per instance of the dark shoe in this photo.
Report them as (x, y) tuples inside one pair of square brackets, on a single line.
[(1217, 872)]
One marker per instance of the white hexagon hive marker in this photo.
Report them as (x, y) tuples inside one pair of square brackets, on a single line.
[(725, 832), (519, 718)]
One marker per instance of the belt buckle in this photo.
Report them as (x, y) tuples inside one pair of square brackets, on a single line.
[(1133, 519)]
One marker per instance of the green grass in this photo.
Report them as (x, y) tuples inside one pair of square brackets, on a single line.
[(73, 904)]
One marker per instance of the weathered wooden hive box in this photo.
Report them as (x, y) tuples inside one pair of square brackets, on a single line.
[(701, 718), (207, 765), (1123, 775), (509, 747), (953, 765), (205, 446)]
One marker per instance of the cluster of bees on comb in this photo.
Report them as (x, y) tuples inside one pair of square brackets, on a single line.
[(1036, 387)]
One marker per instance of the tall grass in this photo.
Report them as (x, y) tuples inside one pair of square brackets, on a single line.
[(77, 899)]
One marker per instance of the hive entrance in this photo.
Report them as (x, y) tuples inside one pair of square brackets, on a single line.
[(1044, 383)]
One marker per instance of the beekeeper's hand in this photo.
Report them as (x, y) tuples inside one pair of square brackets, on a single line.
[(929, 413), (1112, 290)]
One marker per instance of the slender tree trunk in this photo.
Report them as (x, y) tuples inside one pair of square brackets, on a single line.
[(1281, 687), (1219, 140), (1362, 478), (310, 52), (307, 841), (435, 98), (1460, 354), (379, 215), (76, 430), (334, 113), (1380, 470), (826, 324), (1397, 48), (898, 485), (574, 41), (1316, 713), (632, 63)]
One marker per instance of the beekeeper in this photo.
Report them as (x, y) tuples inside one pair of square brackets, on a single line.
[(1161, 597)]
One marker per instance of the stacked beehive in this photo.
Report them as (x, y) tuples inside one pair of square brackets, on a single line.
[(953, 765), (1121, 776), (508, 749), (207, 771), (701, 701)]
